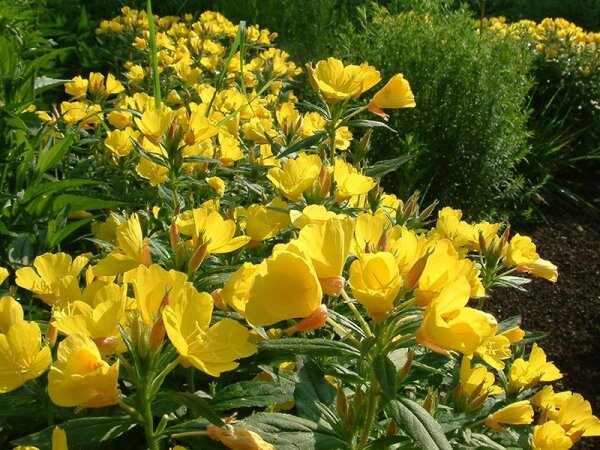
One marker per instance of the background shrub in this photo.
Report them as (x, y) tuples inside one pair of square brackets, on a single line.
[(468, 131)]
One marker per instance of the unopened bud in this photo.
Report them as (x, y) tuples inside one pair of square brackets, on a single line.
[(430, 402), (382, 245), (325, 181), (482, 243), (476, 392), (341, 402), (218, 300), (409, 208), (392, 429), (415, 272), (458, 394), (365, 141), (476, 402), (51, 334), (312, 322), (107, 344), (427, 211), (576, 435), (157, 334), (198, 257), (332, 286), (403, 372), (174, 236), (146, 256), (311, 77)]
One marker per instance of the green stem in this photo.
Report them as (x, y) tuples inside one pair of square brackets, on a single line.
[(190, 379), (153, 59), (345, 333), (372, 403), (363, 323), (147, 417)]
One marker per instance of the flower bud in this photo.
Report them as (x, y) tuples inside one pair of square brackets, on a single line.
[(198, 256), (218, 300), (403, 372), (146, 256), (415, 272), (341, 402), (157, 334), (107, 345), (332, 286), (430, 402), (174, 236), (51, 334), (312, 322)]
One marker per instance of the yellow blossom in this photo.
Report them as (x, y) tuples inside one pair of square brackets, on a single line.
[(375, 282), (296, 175), (550, 436), (477, 379), (349, 182), (119, 141), (518, 413), (528, 373), (22, 355), (77, 88), (80, 377), (395, 94), (217, 184), (237, 438), (11, 312), (3, 274)]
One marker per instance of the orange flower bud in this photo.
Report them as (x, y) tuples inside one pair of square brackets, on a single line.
[(332, 286), (312, 322)]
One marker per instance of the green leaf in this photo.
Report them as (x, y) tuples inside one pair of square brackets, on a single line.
[(51, 157), (384, 443), (483, 441), (386, 374), (308, 142), (508, 324), (533, 336), (248, 394), (381, 168), (311, 390), (43, 83), (513, 282), (198, 405), (363, 123), (85, 431), (313, 347), (413, 420), (45, 189), (287, 432), (64, 232)]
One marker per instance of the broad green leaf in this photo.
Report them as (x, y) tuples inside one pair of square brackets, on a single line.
[(287, 432), (386, 374), (304, 144), (64, 232), (311, 390), (381, 168), (483, 441), (198, 405), (364, 123), (43, 83), (385, 442), (413, 420), (45, 189), (314, 347), (248, 394), (509, 323), (49, 158), (85, 431)]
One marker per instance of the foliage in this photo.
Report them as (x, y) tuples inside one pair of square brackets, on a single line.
[(245, 281), (469, 132)]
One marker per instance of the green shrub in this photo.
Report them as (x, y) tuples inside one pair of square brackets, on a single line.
[(468, 130)]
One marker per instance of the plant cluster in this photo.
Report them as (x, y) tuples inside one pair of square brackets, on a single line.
[(249, 284)]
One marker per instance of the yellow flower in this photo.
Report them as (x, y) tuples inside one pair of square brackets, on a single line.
[(210, 229), (375, 282), (119, 141), (296, 176), (327, 246), (312, 214), (155, 122), (449, 325), (575, 416), (369, 231), (50, 271), (212, 350), (550, 436), (80, 377), (131, 250), (11, 312), (395, 94), (349, 182), (518, 413), (80, 112), (236, 291), (59, 441), (217, 184), (521, 251), (528, 373), (338, 82), (477, 379), (22, 356), (3, 274), (285, 287), (264, 222), (237, 438), (113, 86), (77, 88)]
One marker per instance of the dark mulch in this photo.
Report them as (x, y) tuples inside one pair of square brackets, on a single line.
[(568, 310)]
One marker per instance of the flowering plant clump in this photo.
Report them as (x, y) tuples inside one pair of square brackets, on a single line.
[(267, 293)]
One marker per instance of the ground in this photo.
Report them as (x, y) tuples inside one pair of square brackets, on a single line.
[(568, 310)]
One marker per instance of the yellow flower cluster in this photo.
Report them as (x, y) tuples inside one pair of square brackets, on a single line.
[(552, 39)]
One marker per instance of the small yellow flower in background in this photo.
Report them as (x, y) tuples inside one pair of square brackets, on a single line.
[(59, 441), (11, 312), (22, 355), (518, 413), (521, 253), (107, 230), (80, 113), (77, 88), (296, 175), (285, 287), (264, 222), (237, 438), (50, 271), (338, 82), (131, 250), (80, 377), (311, 214), (349, 182), (113, 86), (395, 94), (550, 436), (3, 274), (528, 373), (155, 122), (212, 350), (119, 119), (368, 232), (375, 282), (96, 83), (217, 184), (575, 416)]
